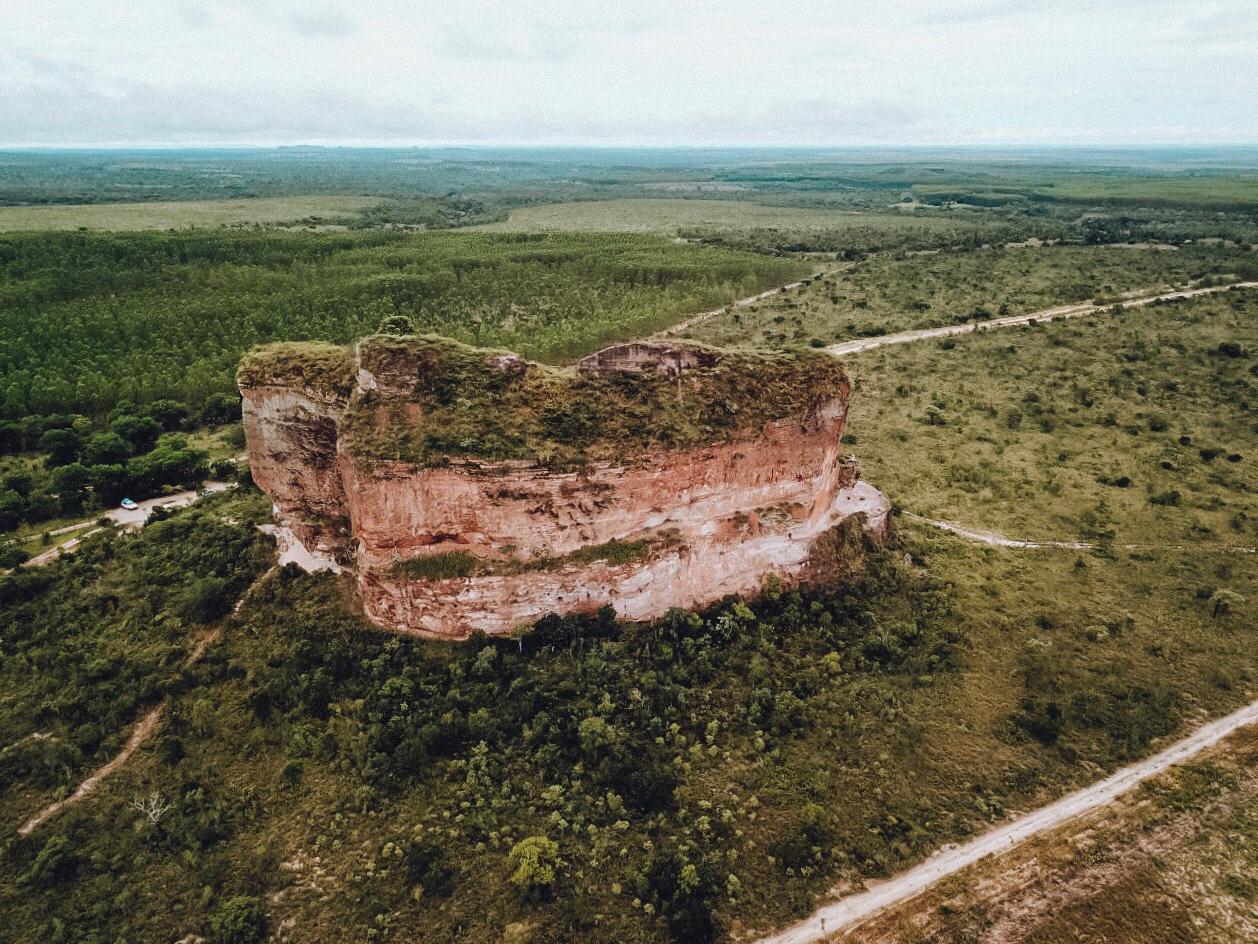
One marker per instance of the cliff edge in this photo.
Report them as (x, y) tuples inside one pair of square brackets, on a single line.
[(469, 489)]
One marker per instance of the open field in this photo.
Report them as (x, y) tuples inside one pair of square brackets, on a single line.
[(1231, 191), (1128, 427), (186, 214), (673, 216)]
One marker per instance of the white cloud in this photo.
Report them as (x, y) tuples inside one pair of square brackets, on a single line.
[(653, 72)]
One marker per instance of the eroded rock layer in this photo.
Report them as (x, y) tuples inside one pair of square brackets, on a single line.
[(472, 490)]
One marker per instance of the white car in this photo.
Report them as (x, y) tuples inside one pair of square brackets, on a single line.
[(129, 505)]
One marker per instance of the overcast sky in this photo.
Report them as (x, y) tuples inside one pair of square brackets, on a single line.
[(772, 72)]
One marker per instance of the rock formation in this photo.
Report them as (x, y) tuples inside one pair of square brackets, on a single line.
[(472, 490)]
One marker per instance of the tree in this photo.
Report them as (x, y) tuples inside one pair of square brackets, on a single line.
[(61, 445), (536, 862), (19, 480), (70, 483), (397, 324), (242, 920), (220, 408), (169, 414), (105, 449), (140, 431), (111, 483), (12, 507)]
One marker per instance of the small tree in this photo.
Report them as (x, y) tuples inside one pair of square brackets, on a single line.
[(397, 324), (536, 862), (1225, 603), (153, 806), (242, 920)]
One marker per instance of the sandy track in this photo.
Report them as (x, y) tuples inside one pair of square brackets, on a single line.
[(142, 729), (850, 911), (995, 539), (1048, 314), (139, 734), (741, 303)]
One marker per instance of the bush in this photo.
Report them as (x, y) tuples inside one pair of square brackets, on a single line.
[(536, 863), (242, 920), (427, 867), (208, 599), (53, 863)]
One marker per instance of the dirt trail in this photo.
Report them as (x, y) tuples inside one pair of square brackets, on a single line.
[(741, 303), (1048, 314), (142, 729), (995, 539), (848, 912), (139, 734)]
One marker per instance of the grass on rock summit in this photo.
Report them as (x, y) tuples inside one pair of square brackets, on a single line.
[(440, 399)]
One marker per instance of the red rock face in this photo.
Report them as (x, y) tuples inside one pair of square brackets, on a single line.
[(699, 523)]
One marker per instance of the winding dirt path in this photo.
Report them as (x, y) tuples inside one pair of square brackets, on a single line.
[(142, 729), (848, 912), (139, 734), (860, 345)]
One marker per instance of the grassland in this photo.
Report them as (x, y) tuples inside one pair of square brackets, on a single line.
[(891, 292), (673, 216), (1210, 191), (186, 214), (1130, 427)]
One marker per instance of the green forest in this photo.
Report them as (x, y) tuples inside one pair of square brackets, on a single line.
[(89, 320)]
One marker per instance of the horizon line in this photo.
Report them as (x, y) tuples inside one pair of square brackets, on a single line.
[(591, 146)]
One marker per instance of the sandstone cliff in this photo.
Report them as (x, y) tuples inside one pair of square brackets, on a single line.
[(472, 490)]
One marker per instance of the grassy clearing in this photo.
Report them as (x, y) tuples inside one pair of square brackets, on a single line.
[(185, 214), (670, 217), (895, 292), (1129, 427)]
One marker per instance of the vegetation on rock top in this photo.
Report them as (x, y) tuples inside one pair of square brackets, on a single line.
[(439, 399)]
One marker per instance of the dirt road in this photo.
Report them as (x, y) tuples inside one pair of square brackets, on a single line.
[(995, 539), (850, 911), (741, 303), (134, 519), (1048, 314)]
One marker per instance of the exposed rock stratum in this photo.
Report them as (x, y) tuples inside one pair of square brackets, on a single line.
[(469, 489)]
